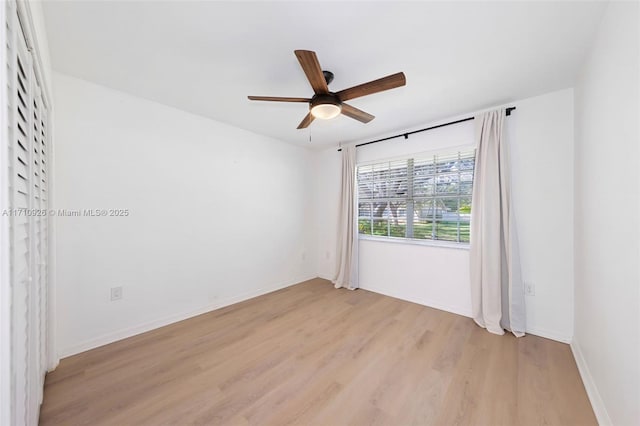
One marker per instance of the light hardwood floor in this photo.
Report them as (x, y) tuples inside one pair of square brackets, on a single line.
[(311, 354)]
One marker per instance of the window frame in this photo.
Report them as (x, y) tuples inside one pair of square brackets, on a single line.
[(409, 199)]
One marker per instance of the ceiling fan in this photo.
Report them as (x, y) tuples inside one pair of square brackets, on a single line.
[(325, 104)]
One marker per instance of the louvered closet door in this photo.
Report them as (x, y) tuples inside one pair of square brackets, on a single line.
[(28, 226), (35, 289), (21, 240), (39, 246), (43, 232)]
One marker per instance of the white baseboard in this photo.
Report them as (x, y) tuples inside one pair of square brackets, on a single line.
[(161, 322), (430, 303), (548, 334), (105, 339), (559, 337), (597, 403), (53, 364)]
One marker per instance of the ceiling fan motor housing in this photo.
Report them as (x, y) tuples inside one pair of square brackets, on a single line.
[(329, 98)]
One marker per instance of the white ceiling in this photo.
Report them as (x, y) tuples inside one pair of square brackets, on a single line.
[(206, 57)]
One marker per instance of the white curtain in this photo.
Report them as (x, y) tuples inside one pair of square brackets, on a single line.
[(497, 293), (347, 253)]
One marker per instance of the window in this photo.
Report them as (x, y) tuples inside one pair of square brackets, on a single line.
[(422, 198)]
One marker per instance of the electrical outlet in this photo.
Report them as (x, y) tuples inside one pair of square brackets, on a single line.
[(529, 288), (116, 293)]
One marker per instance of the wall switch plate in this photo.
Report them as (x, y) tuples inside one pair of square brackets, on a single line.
[(116, 293), (529, 288)]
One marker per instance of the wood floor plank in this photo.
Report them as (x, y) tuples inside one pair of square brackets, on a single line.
[(313, 355)]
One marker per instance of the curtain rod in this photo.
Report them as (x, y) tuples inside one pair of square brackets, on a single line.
[(406, 135)]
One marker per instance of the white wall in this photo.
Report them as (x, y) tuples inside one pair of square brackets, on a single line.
[(217, 214), (540, 132), (607, 194)]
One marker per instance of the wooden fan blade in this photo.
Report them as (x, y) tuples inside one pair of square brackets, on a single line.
[(356, 113), (306, 121), (277, 99), (385, 83), (311, 67)]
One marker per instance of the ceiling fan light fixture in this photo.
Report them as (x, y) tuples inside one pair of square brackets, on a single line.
[(326, 111), (325, 107)]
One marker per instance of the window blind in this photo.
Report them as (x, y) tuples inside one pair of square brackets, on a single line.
[(426, 197)]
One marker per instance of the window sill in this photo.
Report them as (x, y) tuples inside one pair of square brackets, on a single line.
[(414, 242)]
